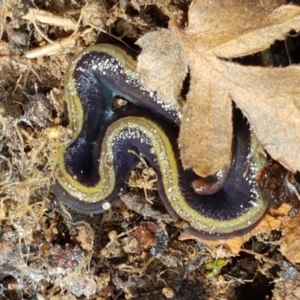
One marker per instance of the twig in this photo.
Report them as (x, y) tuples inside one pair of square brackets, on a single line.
[(58, 46), (261, 256), (51, 49), (48, 18)]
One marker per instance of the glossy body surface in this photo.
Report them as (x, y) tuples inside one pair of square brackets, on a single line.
[(94, 165)]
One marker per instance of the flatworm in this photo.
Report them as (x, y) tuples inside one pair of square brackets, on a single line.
[(94, 165)]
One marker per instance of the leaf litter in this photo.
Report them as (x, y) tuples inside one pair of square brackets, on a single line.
[(218, 31), (48, 252)]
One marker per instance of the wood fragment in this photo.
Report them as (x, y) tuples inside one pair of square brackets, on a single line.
[(49, 18)]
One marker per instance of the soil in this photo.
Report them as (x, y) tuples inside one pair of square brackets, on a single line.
[(133, 251)]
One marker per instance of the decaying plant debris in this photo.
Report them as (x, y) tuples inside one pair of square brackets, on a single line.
[(218, 31), (133, 251)]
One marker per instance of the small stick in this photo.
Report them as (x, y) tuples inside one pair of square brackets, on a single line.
[(48, 18)]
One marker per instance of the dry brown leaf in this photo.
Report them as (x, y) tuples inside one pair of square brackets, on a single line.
[(216, 114), (161, 78), (269, 97), (290, 242), (235, 28)]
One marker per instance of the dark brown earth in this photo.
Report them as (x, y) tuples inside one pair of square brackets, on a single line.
[(132, 251)]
